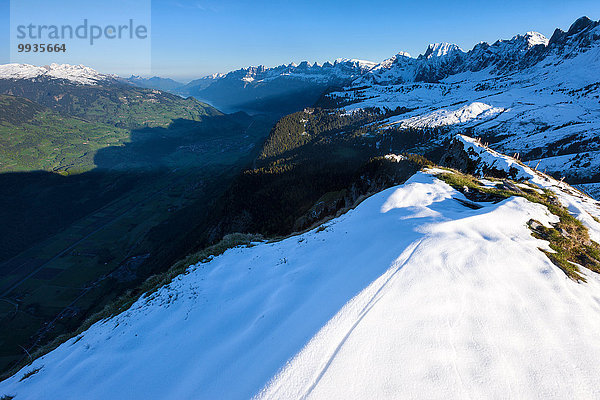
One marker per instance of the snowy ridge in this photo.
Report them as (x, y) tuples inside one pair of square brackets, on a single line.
[(363, 64), (580, 205), (442, 60), (216, 75), (535, 38), (410, 291), (425, 335), (79, 74), (487, 158), (397, 69)]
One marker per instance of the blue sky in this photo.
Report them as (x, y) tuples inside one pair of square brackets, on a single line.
[(194, 38)]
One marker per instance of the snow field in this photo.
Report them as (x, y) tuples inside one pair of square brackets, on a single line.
[(409, 295)]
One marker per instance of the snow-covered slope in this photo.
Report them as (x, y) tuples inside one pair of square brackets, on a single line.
[(591, 189), (410, 295), (527, 95), (443, 117), (79, 74)]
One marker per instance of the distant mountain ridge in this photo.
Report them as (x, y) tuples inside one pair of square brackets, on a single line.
[(78, 74), (437, 62), (58, 117), (503, 56), (155, 82), (282, 89), (82, 92), (529, 95), (260, 88)]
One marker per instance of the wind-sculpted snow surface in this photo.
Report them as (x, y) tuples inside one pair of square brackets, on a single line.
[(410, 295), (471, 310)]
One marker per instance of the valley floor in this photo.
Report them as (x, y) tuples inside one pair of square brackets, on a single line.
[(410, 295)]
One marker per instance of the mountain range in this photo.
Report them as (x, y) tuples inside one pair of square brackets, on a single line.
[(281, 89), (528, 95), (65, 114)]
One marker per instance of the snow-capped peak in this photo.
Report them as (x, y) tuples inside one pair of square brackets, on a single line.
[(441, 49), (400, 58), (74, 73), (363, 64), (535, 38), (216, 75)]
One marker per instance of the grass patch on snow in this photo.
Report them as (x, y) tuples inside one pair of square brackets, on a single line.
[(568, 238), (30, 373)]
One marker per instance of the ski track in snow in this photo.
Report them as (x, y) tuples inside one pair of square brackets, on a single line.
[(410, 295), (371, 302), (493, 336)]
